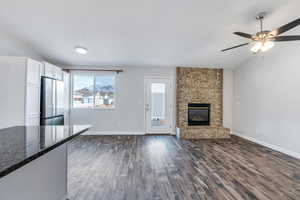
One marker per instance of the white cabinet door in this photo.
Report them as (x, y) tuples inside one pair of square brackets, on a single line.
[(49, 70), (33, 85), (53, 71), (33, 72), (32, 121), (32, 101), (58, 73)]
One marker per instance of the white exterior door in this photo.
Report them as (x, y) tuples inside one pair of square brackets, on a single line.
[(158, 105)]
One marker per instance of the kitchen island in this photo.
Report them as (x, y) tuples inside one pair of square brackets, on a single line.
[(34, 161)]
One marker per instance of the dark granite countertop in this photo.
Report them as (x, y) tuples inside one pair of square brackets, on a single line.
[(20, 145)]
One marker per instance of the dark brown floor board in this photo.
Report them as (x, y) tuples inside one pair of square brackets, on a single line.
[(164, 168)]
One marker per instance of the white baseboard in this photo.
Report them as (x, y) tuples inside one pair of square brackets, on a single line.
[(113, 133), (271, 146)]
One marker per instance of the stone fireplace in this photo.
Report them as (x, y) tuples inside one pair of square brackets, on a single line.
[(200, 103)]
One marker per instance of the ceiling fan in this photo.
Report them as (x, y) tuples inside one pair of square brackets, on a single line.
[(264, 40)]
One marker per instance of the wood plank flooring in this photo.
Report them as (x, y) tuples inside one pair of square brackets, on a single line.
[(164, 168)]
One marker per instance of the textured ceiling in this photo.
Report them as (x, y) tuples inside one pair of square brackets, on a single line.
[(137, 32)]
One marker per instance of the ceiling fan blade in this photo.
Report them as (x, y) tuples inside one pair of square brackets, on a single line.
[(286, 27), (235, 47), (286, 38), (245, 35)]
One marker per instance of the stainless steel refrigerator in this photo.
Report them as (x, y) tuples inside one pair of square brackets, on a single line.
[(52, 102)]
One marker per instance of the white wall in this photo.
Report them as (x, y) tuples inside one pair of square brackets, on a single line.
[(227, 97), (128, 115), (267, 98)]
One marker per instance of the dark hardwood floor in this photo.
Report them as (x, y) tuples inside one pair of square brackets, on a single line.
[(164, 168)]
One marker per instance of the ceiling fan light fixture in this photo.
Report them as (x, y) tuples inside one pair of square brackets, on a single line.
[(267, 46), (257, 47), (264, 39)]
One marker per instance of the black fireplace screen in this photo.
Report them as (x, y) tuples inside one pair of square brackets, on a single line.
[(198, 114)]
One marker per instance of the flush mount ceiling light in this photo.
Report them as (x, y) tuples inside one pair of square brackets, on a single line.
[(264, 39), (81, 50)]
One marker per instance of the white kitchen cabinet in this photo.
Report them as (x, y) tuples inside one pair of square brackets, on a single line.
[(32, 103), (52, 71), (58, 73), (48, 70), (20, 85), (33, 72), (32, 121)]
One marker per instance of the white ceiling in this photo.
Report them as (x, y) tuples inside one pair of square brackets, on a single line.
[(138, 32)]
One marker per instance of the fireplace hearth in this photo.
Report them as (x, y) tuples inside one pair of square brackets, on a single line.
[(198, 114)]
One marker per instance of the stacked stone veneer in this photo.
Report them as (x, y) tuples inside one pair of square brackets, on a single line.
[(200, 85)]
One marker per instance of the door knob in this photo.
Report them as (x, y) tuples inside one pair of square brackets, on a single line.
[(147, 107)]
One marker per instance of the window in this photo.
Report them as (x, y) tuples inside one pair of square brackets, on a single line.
[(93, 90), (83, 91)]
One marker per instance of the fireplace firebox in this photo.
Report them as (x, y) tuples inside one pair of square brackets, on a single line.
[(198, 114)]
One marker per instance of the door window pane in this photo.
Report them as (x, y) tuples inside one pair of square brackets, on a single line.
[(83, 91), (104, 91), (158, 102)]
